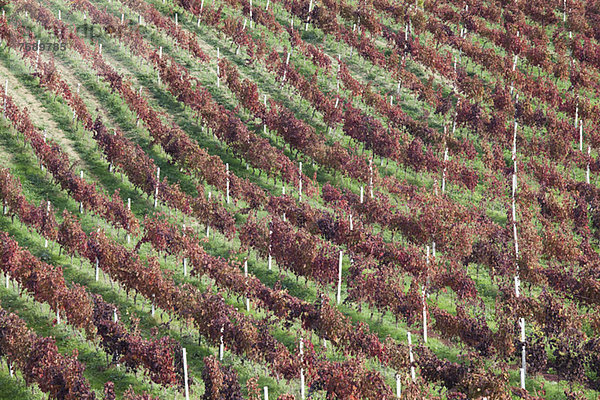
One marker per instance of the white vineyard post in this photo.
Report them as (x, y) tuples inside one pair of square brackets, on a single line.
[(153, 307), (351, 224), (362, 194), (300, 182), (283, 194), (218, 72), (308, 17), (45, 136), (185, 374), (337, 75), (97, 269), (514, 214), (265, 125), (251, 14), (137, 122), (424, 316), (287, 61), (47, 213), (514, 149), (398, 386), (185, 260), (221, 346), (128, 209), (156, 189), (207, 225), (122, 18), (587, 170), (523, 368), (523, 353), (160, 52), (100, 49), (270, 260), (412, 358), (59, 15), (57, 315), (444, 171), (581, 136), (37, 56), (176, 19), (267, 6), (81, 203), (227, 168), (7, 280), (454, 125), (5, 98), (301, 369), (266, 393), (339, 285), (576, 115), (246, 276), (371, 176), (78, 87)]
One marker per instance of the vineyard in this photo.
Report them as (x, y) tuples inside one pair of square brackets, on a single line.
[(299, 199)]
